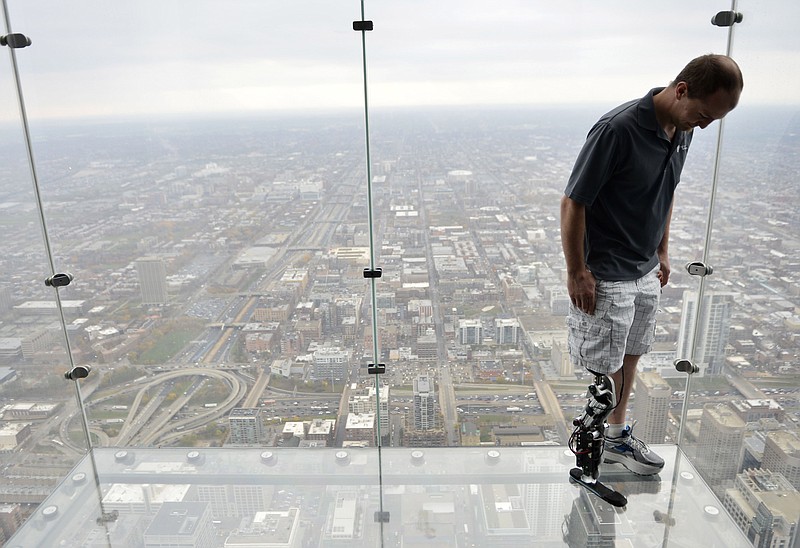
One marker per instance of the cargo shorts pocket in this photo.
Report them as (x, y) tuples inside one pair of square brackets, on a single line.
[(589, 342)]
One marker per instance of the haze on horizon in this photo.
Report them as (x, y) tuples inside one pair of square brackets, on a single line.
[(148, 58)]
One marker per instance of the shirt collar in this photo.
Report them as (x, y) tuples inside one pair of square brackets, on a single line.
[(646, 115)]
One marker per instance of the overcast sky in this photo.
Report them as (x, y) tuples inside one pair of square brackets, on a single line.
[(105, 58)]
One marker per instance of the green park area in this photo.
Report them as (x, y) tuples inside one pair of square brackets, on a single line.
[(164, 341)]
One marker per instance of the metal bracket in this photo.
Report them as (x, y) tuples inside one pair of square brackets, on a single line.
[(59, 280), (78, 372), (15, 40), (726, 18), (377, 273), (699, 268), (686, 366), (381, 517), (362, 25), (376, 369)]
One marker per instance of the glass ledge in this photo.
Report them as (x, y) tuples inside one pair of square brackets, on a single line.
[(275, 497)]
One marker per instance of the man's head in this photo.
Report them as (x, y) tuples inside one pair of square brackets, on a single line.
[(705, 90)]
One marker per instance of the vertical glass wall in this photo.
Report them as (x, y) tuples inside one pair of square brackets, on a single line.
[(41, 435), (744, 408)]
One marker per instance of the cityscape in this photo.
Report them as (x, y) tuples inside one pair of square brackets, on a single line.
[(223, 297)]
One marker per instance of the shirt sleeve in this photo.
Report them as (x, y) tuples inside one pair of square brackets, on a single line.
[(594, 166)]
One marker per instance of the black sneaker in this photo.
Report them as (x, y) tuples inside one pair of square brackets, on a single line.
[(632, 453)]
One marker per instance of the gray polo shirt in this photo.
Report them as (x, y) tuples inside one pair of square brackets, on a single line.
[(626, 176)]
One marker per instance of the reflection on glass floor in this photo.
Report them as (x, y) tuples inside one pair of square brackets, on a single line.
[(504, 496)]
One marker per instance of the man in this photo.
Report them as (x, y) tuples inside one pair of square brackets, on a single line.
[(615, 217)]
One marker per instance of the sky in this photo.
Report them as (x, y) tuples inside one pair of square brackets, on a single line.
[(115, 59)]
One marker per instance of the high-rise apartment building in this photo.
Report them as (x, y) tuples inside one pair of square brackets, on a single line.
[(713, 330), (782, 454), (507, 331), (152, 274), (424, 403), (470, 332), (651, 406), (246, 427), (720, 445), (766, 507)]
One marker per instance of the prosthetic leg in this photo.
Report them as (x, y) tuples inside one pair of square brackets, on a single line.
[(587, 440)]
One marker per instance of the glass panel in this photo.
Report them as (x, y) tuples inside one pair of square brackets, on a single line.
[(328, 497), (746, 409), (41, 429), (475, 129), (204, 174)]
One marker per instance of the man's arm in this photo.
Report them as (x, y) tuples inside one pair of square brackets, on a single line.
[(663, 251), (580, 282)]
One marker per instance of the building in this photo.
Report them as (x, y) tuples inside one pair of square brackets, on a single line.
[(507, 331), (543, 502), (720, 443), (360, 427), (755, 410), (12, 435), (766, 507), (510, 436), (559, 356), (152, 274), (267, 530), (470, 332), (331, 364), (364, 401), (181, 524), (11, 517), (428, 347), (425, 417), (651, 406), (322, 430), (782, 454), (246, 426), (235, 500), (713, 330)]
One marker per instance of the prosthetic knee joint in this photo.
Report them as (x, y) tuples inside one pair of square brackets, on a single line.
[(588, 436)]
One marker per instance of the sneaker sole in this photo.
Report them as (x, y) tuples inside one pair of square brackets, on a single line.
[(636, 467)]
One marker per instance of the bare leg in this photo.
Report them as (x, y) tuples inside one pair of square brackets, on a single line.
[(629, 363)]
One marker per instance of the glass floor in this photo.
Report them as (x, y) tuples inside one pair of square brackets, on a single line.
[(481, 496)]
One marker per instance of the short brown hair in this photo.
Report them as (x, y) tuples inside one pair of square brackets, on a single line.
[(709, 73)]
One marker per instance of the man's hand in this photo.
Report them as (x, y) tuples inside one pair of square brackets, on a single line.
[(582, 293), (663, 271)]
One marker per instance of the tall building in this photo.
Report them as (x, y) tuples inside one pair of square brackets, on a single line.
[(651, 406), (470, 332), (424, 403), (713, 330), (246, 426), (364, 401), (152, 280), (507, 331), (782, 454), (543, 502), (766, 507), (720, 446)]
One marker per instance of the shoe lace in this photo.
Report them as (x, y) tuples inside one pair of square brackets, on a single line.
[(635, 442)]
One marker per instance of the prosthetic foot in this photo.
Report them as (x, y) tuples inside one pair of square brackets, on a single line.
[(587, 439)]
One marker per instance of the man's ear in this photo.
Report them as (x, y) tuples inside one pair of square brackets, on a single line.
[(681, 90)]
